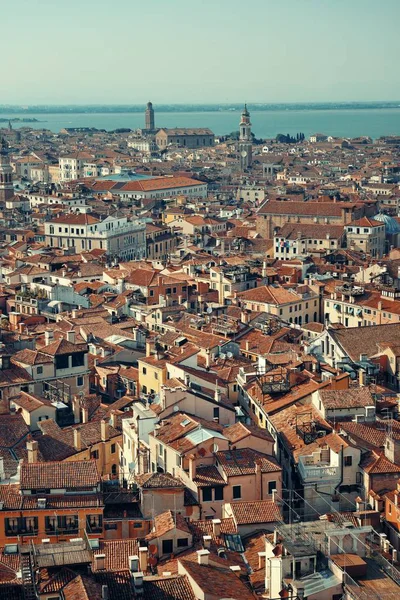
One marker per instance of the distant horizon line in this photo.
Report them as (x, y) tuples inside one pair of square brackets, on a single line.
[(233, 103)]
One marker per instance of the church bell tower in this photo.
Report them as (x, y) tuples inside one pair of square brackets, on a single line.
[(149, 117), (245, 140), (6, 183)]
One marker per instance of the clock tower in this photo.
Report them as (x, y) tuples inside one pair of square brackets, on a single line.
[(245, 140), (6, 184)]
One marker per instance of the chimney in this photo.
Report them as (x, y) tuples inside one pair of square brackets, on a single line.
[(133, 564), (71, 336), (105, 430), (99, 562), (245, 316), (396, 498), (48, 337), (217, 394), (360, 504), (85, 414), (275, 537), (77, 439), (247, 345), (192, 467), (216, 525), (207, 541), (143, 558), (32, 448), (163, 396), (382, 537), (202, 557), (258, 482), (264, 269), (76, 407), (113, 419), (362, 378)]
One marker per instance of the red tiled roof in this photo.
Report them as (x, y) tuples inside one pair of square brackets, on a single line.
[(59, 475), (243, 462), (166, 522), (257, 512), (80, 219)]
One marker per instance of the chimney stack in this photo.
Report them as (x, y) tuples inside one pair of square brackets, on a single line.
[(217, 394), (133, 563), (76, 409), (105, 430), (143, 558), (192, 467), (216, 524), (207, 541), (85, 414), (77, 439), (48, 337), (32, 448), (264, 269), (113, 419), (71, 336), (202, 557)]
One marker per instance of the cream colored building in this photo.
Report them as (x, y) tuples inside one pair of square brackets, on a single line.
[(116, 235), (366, 235), (297, 306)]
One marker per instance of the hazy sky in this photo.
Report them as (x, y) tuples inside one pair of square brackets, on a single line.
[(126, 51)]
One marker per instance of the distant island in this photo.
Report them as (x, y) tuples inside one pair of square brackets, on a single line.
[(18, 120), (171, 108)]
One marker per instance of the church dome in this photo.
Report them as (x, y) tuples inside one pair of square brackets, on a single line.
[(391, 225)]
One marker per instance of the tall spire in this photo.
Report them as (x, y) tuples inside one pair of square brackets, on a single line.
[(6, 184), (245, 140)]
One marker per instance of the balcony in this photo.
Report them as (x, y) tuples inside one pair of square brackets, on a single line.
[(313, 472)]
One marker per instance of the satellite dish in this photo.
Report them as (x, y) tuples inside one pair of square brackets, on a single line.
[(265, 149), (222, 356), (153, 549), (176, 408), (209, 310), (243, 154), (229, 355)]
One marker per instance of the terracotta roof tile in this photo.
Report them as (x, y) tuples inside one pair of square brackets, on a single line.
[(257, 512), (243, 462), (166, 522), (59, 475)]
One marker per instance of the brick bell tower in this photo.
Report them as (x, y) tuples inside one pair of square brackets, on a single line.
[(149, 117), (6, 183)]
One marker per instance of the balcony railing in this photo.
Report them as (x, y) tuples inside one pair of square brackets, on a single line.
[(318, 473)]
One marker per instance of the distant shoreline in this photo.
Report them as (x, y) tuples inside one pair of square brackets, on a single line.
[(179, 108), (18, 120)]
